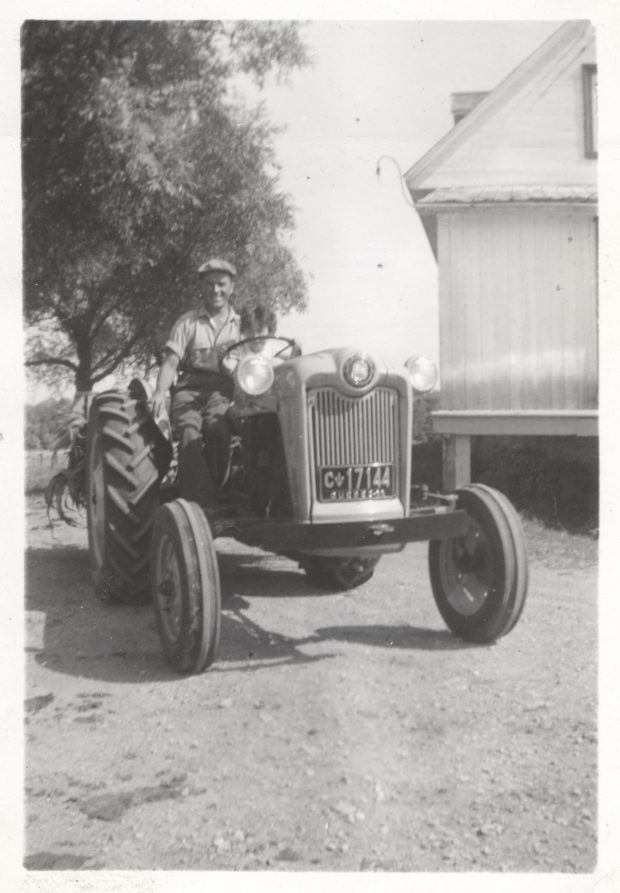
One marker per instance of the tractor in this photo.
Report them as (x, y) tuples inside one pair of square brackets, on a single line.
[(320, 471)]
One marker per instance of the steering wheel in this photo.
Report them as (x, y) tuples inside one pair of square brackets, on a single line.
[(289, 344)]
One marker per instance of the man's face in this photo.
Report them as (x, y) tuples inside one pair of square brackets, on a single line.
[(216, 290)]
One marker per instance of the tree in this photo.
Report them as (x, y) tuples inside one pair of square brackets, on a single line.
[(137, 161), (43, 425)]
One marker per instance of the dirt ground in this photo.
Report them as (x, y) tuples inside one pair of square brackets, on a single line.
[(336, 732)]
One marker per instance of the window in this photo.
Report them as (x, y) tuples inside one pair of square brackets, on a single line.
[(590, 109)]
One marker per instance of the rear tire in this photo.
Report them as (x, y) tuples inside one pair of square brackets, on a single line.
[(122, 497), (480, 580), (338, 574), (185, 584)]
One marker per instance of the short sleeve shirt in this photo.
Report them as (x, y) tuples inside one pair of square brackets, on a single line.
[(194, 338)]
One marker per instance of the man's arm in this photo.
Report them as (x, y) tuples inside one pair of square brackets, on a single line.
[(167, 372)]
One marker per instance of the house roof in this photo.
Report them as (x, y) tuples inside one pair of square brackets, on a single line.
[(505, 194), (527, 131)]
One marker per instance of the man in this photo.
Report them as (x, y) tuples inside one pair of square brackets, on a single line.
[(202, 393)]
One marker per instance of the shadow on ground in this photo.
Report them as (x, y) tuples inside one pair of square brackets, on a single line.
[(71, 632)]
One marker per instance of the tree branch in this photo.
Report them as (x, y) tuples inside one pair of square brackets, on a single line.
[(52, 361), (115, 359), (96, 324)]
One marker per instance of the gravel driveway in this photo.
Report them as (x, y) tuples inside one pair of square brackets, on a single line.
[(336, 732)]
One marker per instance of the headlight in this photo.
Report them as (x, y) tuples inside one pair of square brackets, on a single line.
[(359, 370), (422, 374), (254, 375)]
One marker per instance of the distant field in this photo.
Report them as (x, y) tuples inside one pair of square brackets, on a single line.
[(39, 468)]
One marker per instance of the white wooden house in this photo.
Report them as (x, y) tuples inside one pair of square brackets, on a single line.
[(508, 200)]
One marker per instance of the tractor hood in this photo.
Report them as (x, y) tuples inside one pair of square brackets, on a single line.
[(347, 397), (338, 367)]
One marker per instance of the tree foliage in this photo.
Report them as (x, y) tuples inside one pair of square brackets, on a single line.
[(43, 423), (139, 160)]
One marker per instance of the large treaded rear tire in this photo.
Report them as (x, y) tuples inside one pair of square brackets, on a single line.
[(122, 496)]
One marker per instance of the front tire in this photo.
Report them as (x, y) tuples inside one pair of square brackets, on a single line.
[(338, 574), (122, 496), (185, 584), (480, 580)]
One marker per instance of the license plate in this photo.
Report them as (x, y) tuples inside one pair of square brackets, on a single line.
[(348, 482)]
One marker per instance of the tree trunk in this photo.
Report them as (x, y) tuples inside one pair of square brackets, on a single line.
[(83, 381), (83, 376)]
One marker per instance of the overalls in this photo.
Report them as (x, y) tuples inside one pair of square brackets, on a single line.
[(200, 400)]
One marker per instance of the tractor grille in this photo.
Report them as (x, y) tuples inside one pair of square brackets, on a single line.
[(353, 430)]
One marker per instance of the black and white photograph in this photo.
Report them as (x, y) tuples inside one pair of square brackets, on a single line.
[(311, 363)]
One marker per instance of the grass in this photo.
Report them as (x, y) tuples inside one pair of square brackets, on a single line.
[(557, 547)]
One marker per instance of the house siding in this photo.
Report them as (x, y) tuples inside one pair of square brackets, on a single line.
[(518, 309)]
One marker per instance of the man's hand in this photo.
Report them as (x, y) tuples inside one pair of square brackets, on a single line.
[(229, 364), (159, 404), (227, 359)]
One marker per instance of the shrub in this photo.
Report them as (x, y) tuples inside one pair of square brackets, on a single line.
[(551, 478)]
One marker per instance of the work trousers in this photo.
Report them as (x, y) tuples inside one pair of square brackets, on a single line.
[(194, 411)]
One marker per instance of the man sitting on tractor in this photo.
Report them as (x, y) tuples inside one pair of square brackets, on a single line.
[(202, 392)]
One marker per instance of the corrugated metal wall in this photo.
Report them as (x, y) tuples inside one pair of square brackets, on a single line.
[(518, 308)]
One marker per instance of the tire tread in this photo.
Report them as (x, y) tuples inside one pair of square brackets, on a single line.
[(185, 526), (131, 496), (503, 607)]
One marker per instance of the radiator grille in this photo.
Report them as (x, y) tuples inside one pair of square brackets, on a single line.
[(353, 430)]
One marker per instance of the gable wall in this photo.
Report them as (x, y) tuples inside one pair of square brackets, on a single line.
[(537, 136)]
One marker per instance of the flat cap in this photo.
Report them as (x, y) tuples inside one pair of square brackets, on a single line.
[(217, 265)]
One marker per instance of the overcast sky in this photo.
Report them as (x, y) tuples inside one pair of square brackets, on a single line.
[(377, 88)]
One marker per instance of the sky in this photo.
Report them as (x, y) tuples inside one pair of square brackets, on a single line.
[(376, 89)]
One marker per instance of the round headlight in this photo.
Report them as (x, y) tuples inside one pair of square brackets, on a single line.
[(255, 375), (422, 374), (359, 370)]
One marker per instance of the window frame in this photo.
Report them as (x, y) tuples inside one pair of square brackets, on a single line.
[(589, 76)]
